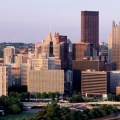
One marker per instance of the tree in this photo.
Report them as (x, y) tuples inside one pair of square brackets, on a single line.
[(22, 96), (15, 109), (84, 117), (77, 98), (111, 97), (27, 95), (51, 95), (54, 112), (44, 95), (12, 94), (38, 95), (118, 97), (57, 95)]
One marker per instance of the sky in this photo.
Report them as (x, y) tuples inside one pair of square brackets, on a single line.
[(29, 21)]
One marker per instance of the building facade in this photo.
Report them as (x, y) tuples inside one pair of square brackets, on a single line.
[(88, 64), (46, 63), (95, 82), (110, 49), (116, 46), (81, 50), (5, 79), (56, 45), (114, 80), (90, 27), (24, 68), (16, 79), (9, 51), (46, 81)]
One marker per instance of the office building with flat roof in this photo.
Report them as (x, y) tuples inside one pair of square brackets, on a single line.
[(90, 28), (95, 82), (46, 81)]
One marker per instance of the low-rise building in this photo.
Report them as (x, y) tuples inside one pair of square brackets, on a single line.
[(95, 82)]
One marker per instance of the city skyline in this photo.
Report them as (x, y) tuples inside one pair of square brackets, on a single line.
[(30, 21)]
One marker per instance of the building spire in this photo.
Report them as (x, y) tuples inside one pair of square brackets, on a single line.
[(50, 28), (50, 37), (50, 34)]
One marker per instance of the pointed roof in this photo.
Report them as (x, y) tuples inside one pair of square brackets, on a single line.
[(50, 38)]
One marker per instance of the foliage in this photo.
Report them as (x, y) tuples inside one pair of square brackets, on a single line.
[(113, 97), (44, 95), (76, 98), (38, 95), (54, 112), (11, 104), (14, 109), (25, 96)]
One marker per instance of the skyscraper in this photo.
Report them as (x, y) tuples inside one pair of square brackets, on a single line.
[(90, 27), (110, 49), (116, 46)]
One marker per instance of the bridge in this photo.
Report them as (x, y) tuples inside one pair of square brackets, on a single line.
[(34, 104)]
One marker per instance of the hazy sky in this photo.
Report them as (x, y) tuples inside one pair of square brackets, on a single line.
[(29, 20)]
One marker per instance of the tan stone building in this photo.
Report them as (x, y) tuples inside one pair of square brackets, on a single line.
[(24, 68), (9, 51), (37, 47), (55, 45), (43, 64), (116, 46), (46, 63), (5, 79), (110, 49), (46, 81)]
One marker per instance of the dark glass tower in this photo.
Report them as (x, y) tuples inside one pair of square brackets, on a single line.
[(90, 28)]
